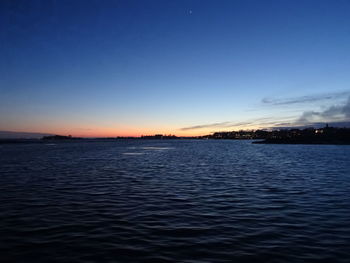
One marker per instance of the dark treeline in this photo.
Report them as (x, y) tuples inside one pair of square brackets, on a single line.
[(60, 137), (326, 135), (159, 137)]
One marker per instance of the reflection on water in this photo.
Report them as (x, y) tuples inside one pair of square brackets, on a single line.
[(156, 148), (133, 153), (182, 201)]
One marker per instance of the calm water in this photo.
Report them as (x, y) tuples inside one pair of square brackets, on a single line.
[(166, 201)]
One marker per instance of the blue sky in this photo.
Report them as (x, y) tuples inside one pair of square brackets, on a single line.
[(101, 68)]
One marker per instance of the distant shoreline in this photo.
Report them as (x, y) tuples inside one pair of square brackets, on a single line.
[(326, 135), (265, 141)]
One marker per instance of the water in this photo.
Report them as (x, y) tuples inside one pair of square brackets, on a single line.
[(174, 201)]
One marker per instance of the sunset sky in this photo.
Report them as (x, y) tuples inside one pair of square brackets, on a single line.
[(130, 68)]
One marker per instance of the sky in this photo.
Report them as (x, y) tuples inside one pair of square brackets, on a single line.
[(131, 68)]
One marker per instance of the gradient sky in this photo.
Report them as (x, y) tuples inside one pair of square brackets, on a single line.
[(108, 68)]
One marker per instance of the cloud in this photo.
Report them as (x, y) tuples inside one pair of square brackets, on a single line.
[(305, 99), (331, 114), (346, 108), (231, 124), (336, 114), (210, 125)]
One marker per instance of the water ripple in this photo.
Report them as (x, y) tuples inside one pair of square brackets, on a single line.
[(174, 201)]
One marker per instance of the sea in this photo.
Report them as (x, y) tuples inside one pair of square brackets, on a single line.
[(174, 201)]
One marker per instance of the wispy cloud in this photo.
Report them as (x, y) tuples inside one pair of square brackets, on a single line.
[(210, 125), (261, 122), (306, 99), (337, 113), (333, 113)]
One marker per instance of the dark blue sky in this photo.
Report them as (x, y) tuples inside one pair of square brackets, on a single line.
[(135, 67)]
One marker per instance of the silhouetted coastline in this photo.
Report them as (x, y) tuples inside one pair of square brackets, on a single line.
[(326, 135), (60, 137)]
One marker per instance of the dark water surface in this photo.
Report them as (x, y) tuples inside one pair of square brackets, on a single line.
[(174, 201)]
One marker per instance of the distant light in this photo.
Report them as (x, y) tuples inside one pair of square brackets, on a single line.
[(190, 12)]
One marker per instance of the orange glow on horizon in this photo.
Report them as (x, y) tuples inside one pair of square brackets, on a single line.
[(99, 132)]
